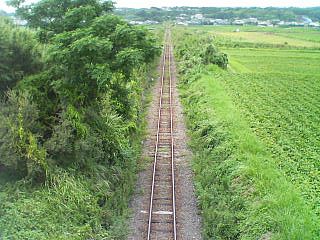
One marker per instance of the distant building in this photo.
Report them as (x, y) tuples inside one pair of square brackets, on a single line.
[(250, 21), (306, 20), (314, 24), (219, 21), (238, 22), (136, 22), (182, 23), (197, 16), (265, 23)]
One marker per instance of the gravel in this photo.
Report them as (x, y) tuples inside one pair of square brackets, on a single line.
[(188, 219)]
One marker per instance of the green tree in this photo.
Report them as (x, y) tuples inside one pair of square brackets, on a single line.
[(93, 59), (20, 54), (57, 16)]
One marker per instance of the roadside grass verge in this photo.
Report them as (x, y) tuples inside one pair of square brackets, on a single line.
[(242, 194)]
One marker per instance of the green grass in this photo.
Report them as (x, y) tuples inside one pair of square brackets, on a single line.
[(289, 62), (68, 207), (285, 37), (280, 100), (255, 137), (241, 192), (269, 38)]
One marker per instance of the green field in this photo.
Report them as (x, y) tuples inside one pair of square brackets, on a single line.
[(269, 37), (286, 37), (280, 97), (263, 112)]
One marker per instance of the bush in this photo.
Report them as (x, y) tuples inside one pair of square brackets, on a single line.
[(212, 55), (73, 128), (195, 50), (19, 147)]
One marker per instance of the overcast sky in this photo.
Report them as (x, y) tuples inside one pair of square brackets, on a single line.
[(217, 3), (203, 3)]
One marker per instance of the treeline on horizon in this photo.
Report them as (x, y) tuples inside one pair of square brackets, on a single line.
[(269, 13), (5, 14)]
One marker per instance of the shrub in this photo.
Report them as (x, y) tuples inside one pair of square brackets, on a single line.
[(19, 146), (212, 55)]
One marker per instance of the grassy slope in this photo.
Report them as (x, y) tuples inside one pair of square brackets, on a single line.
[(242, 194), (246, 166)]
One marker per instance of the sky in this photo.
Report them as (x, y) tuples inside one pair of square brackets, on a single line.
[(202, 3), (217, 3)]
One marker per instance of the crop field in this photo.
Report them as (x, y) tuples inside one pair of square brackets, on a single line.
[(268, 37), (288, 37), (289, 62), (281, 98), (275, 90), (279, 90)]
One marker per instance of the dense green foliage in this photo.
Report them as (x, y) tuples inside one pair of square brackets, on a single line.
[(70, 132), (269, 13), (254, 172), (57, 16), (200, 50), (20, 54)]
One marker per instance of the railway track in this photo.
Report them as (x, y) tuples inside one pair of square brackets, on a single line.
[(162, 209)]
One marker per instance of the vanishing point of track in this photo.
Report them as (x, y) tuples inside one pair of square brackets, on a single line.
[(162, 209)]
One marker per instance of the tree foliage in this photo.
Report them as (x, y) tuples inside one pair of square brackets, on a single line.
[(19, 146), (87, 96), (20, 54), (57, 16), (196, 50), (71, 123)]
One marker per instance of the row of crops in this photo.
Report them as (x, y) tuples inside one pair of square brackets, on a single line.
[(282, 109), (255, 137)]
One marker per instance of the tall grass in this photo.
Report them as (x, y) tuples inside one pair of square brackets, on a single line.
[(242, 194)]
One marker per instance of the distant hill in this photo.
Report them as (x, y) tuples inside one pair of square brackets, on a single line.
[(270, 13), (5, 14)]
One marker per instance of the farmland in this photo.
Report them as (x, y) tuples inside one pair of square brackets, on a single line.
[(280, 97), (286, 37), (255, 130)]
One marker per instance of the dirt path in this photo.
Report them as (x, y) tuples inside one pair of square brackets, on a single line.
[(188, 220)]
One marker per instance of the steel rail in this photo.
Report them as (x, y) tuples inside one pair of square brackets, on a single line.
[(172, 148), (157, 142), (166, 61)]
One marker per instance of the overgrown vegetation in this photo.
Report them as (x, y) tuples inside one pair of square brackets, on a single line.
[(243, 193), (199, 50), (20, 54), (70, 127)]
